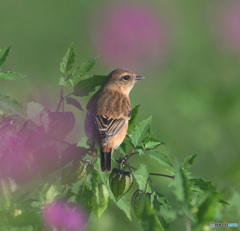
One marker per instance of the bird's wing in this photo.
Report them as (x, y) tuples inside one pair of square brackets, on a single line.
[(108, 127)]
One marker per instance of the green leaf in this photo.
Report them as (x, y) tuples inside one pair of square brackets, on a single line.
[(81, 72), (161, 158), (7, 103), (4, 54), (201, 185), (74, 102), (63, 82), (52, 192), (149, 220), (84, 87), (68, 60), (9, 75), (85, 196), (141, 131), (183, 187), (141, 176), (188, 161), (206, 211), (100, 199), (151, 144), (124, 205), (83, 142), (132, 121), (163, 209)]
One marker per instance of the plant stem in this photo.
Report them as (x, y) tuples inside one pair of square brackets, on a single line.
[(61, 100), (188, 224), (68, 94), (159, 174), (153, 185)]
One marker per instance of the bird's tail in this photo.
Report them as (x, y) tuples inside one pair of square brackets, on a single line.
[(106, 161)]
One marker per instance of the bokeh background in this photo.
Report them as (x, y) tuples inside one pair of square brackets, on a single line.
[(189, 52)]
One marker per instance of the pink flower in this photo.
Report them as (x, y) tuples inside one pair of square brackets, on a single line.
[(64, 215), (228, 25), (130, 36)]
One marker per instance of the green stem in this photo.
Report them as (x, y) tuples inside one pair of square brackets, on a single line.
[(159, 174), (61, 100)]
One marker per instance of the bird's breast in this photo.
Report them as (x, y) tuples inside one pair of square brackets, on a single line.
[(113, 104)]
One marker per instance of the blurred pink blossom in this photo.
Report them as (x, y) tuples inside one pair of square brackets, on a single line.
[(131, 36), (228, 25), (33, 147), (62, 215)]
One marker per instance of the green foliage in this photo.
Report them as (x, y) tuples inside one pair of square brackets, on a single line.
[(4, 54), (84, 87), (161, 158), (68, 61), (72, 173), (141, 132), (7, 75), (9, 104), (141, 176), (132, 121)]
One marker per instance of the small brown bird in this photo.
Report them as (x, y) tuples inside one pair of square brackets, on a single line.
[(108, 113)]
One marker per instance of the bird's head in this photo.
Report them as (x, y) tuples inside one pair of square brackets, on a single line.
[(122, 79)]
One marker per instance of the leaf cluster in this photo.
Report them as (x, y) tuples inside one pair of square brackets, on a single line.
[(34, 151)]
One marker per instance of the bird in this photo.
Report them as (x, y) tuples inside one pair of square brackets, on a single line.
[(108, 113)]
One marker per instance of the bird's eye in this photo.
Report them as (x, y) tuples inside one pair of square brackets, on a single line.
[(126, 77)]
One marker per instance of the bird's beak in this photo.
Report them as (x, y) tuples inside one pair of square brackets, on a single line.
[(138, 77)]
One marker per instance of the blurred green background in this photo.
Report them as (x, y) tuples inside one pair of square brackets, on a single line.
[(192, 65)]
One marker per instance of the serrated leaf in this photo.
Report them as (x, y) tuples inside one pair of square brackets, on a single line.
[(163, 209), (141, 176), (7, 103), (141, 131), (63, 82), (132, 121), (201, 185), (161, 158), (4, 54), (151, 144), (183, 187), (124, 205), (9, 75), (84, 87), (188, 161), (74, 102), (68, 60), (81, 72)]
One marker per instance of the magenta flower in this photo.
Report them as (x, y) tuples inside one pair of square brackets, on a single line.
[(62, 215), (228, 25), (130, 36)]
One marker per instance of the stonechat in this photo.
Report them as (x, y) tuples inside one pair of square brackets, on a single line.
[(108, 113)]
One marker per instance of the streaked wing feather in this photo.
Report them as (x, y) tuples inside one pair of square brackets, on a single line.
[(108, 127)]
